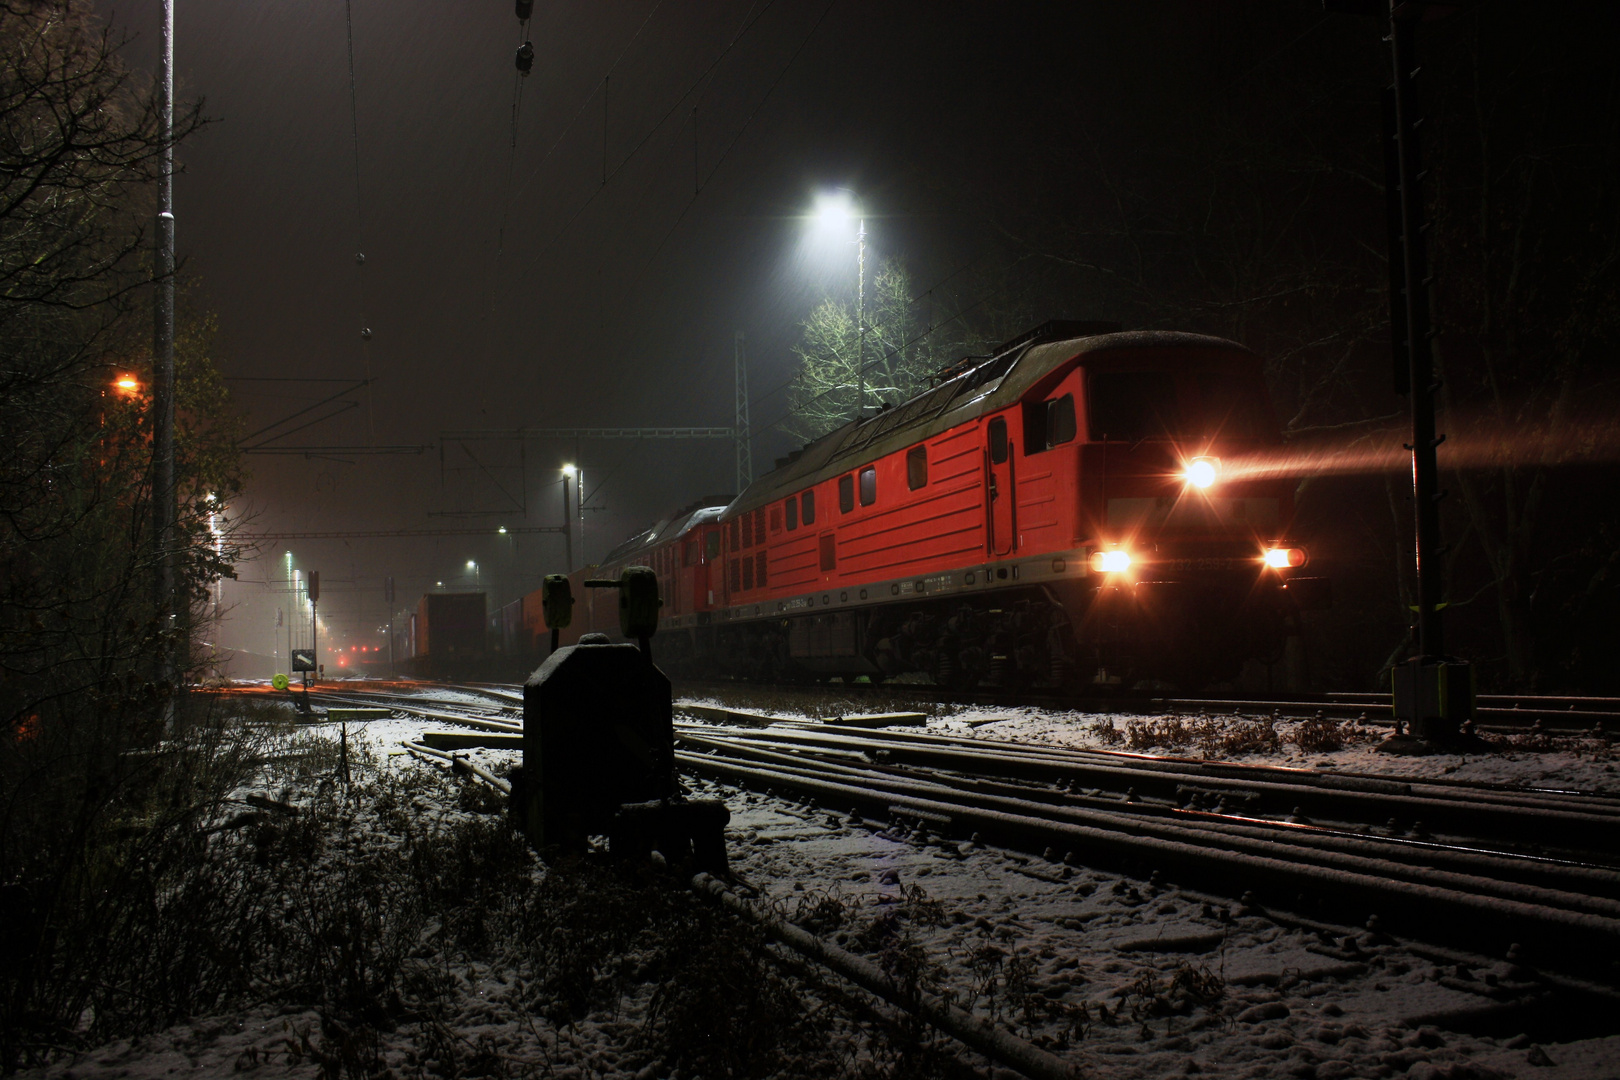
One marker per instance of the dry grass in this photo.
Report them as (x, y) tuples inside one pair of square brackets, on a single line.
[(375, 905), (1212, 737)]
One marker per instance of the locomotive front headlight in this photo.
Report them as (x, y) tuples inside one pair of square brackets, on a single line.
[(1110, 562), (1285, 558), (1201, 471)]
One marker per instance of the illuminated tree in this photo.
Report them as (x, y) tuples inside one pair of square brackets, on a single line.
[(899, 356)]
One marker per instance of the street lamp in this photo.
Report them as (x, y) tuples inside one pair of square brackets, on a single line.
[(835, 211), (570, 472), (478, 575), (292, 604)]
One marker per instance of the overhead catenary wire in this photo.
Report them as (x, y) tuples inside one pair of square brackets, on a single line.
[(518, 79), (749, 20), (359, 226), (727, 151), (508, 194)]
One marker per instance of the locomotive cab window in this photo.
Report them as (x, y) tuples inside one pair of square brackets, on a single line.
[(846, 493), (917, 467), (869, 485), (1225, 406), (1127, 406), (792, 508), (712, 545), (808, 501), (998, 440), (1060, 426)]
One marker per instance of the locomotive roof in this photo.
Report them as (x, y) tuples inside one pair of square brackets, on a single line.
[(666, 529), (987, 387)]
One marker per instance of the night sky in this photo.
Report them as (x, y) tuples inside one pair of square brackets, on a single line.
[(611, 304)]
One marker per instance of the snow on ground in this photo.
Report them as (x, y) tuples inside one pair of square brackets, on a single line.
[(1148, 980), (1577, 762), (1129, 979)]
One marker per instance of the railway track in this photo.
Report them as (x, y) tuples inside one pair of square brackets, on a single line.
[(1465, 864), (1505, 713), (1467, 891)]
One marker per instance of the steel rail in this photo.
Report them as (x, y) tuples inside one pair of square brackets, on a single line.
[(459, 763), (1533, 823), (1339, 779), (1441, 910), (1243, 772), (1551, 873), (1337, 855), (994, 1043), (1555, 712)]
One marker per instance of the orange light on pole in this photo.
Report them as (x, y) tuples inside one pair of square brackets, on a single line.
[(127, 385)]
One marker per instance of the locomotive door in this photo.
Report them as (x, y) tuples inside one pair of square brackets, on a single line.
[(998, 452)]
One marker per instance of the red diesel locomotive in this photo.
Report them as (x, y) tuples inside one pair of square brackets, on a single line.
[(1055, 514)]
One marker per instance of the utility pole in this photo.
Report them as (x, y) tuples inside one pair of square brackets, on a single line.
[(568, 522), (388, 595), (860, 321), (164, 512), (745, 453), (1431, 691), (314, 626)]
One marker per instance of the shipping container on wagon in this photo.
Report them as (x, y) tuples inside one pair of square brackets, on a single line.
[(449, 635)]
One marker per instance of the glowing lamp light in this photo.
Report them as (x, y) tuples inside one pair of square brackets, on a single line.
[(127, 385), (1284, 558), (1110, 562), (834, 210), (1201, 471)]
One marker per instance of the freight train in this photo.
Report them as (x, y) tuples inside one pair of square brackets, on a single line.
[(1053, 514), (446, 637)]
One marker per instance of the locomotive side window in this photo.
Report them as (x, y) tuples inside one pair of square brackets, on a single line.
[(792, 508), (998, 440), (916, 467), (869, 485), (846, 493), (1060, 426), (808, 500), (714, 545)]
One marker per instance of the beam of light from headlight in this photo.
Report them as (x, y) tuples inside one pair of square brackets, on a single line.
[(1201, 472), (1474, 444)]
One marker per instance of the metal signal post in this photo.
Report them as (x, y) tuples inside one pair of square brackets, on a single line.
[(1432, 691), (314, 627), (164, 507)]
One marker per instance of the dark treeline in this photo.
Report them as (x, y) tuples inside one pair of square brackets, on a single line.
[(84, 780)]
